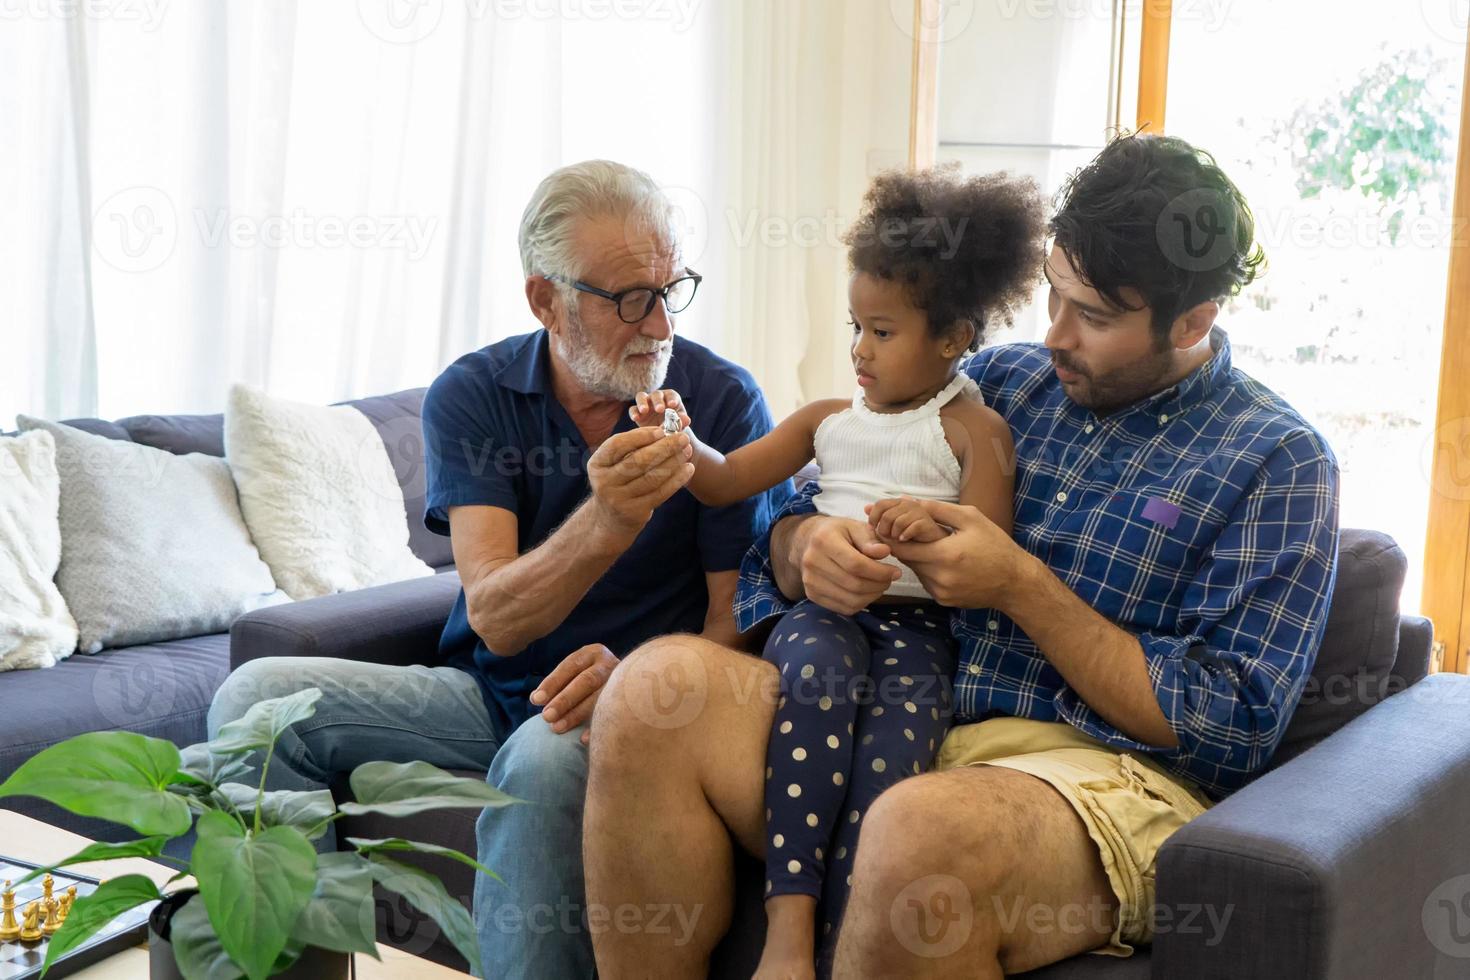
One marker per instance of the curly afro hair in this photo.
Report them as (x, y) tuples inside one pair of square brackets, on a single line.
[(968, 249)]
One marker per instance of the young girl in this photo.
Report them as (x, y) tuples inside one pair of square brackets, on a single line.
[(866, 699)]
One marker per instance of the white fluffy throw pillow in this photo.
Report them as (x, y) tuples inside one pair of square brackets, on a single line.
[(319, 495), (36, 629)]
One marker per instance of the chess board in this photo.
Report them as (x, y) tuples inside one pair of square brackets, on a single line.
[(23, 960)]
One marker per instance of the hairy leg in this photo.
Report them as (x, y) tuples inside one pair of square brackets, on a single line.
[(678, 752), (973, 872)]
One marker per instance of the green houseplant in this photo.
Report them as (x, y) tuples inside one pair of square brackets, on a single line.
[(265, 897)]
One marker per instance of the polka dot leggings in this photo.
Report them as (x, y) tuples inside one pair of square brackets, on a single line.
[(865, 702)]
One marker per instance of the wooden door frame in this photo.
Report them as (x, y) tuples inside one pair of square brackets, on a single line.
[(1447, 544), (924, 84), (1153, 64)]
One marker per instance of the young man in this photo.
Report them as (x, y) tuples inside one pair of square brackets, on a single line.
[(1133, 653)]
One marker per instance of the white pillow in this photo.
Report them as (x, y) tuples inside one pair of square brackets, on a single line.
[(319, 494), (153, 547), (36, 629)]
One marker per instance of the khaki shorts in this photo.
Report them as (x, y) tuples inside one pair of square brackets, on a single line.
[(1129, 804)]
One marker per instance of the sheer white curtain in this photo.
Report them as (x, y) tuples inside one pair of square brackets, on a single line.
[(322, 198)]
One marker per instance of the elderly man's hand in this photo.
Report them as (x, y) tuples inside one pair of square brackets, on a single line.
[(841, 563), (972, 568), (633, 472), (571, 690), (648, 407)]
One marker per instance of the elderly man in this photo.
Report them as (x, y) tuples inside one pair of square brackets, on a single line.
[(1133, 654), (574, 545)]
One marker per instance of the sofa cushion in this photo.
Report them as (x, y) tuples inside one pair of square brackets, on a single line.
[(318, 493), (36, 628), (397, 419), (396, 416), (153, 545), (1359, 645), (178, 434), (100, 427)]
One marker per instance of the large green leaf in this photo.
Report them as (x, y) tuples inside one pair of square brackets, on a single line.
[(103, 851), (401, 789), (365, 846), (199, 765), (253, 887), (118, 776), (90, 913), (341, 914), (259, 727), (306, 810), (199, 954), (426, 894), (197, 949)]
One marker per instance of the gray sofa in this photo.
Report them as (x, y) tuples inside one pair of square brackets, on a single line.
[(1327, 864), (164, 689)]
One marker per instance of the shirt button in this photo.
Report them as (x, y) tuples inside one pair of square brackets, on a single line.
[(974, 668), (1087, 428), (1061, 496), (993, 625), (1163, 419)]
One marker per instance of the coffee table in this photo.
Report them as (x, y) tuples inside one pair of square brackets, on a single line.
[(31, 840)]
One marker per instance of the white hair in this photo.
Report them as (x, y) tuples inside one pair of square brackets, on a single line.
[(593, 188)]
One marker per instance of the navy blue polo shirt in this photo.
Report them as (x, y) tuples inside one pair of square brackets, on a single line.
[(495, 434)]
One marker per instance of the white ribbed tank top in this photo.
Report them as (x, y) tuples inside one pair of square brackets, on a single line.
[(867, 456)]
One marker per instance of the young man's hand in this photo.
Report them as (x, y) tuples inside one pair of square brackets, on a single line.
[(904, 519)]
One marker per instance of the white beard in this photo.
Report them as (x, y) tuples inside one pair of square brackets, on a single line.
[(621, 380)]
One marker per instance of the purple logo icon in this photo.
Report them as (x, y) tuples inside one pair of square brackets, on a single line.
[(1160, 511)]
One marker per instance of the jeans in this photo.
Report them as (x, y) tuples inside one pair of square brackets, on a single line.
[(371, 712)]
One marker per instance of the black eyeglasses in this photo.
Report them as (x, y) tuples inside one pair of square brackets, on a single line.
[(635, 304)]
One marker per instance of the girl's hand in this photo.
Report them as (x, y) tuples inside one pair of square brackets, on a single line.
[(648, 408), (904, 519)]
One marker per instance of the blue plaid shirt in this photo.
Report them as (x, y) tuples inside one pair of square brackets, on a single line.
[(1202, 519)]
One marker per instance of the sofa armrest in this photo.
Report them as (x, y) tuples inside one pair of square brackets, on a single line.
[(396, 624), (1327, 867), (1416, 651)]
